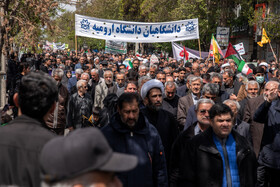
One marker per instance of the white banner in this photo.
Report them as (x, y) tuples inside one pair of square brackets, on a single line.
[(115, 47), (136, 31), (240, 48)]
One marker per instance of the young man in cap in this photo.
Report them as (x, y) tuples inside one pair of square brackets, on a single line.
[(83, 158), (130, 132)]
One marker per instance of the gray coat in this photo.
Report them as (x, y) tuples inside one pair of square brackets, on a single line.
[(183, 106), (101, 91), (256, 129)]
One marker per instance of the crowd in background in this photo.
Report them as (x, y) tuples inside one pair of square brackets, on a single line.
[(167, 106)]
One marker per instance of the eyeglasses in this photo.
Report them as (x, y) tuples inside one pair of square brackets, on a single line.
[(84, 86), (203, 111)]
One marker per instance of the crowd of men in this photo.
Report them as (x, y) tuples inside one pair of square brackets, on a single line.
[(166, 123)]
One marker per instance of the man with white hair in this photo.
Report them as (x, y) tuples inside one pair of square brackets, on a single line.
[(142, 71), (242, 127), (57, 119), (84, 76), (79, 107), (203, 122), (73, 81), (252, 90), (189, 100), (268, 113), (94, 81), (105, 88)]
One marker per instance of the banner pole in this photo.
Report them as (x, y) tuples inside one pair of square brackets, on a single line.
[(199, 47), (273, 52), (76, 46)]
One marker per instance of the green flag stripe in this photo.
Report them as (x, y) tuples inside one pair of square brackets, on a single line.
[(236, 60), (241, 65)]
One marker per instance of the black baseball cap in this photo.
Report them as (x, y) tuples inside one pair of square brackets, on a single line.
[(82, 151)]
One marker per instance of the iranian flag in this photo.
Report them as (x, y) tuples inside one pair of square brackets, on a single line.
[(128, 64), (234, 55)]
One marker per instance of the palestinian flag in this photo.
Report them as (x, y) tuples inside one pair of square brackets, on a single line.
[(128, 64), (234, 55)]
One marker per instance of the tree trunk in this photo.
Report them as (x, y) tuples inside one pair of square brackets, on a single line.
[(2, 63)]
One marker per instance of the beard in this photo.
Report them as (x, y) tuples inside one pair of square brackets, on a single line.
[(108, 82), (129, 122), (154, 107)]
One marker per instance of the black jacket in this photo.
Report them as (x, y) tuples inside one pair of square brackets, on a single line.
[(269, 113), (144, 142), (20, 144), (202, 165), (167, 128)]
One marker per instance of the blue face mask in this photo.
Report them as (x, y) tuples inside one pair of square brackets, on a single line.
[(260, 79)]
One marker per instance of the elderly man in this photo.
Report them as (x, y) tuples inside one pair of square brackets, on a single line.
[(105, 88), (268, 113), (68, 161), (171, 100), (85, 76), (81, 63), (252, 90), (120, 82), (164, 121), (94, 81), (209, 91), (218, 156), (79, 107), (152, 71), (189, 100), (129, 132), (256, 128), (142, 71), (57, 120), (242, 127), (167, 71), (73, 81), (203, 122), (23, 138)]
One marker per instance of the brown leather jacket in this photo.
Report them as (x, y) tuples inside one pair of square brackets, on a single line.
[(57, 119)]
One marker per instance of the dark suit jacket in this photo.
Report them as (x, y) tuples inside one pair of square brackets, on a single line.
[(183, 106), (182, 91), (256, 129)]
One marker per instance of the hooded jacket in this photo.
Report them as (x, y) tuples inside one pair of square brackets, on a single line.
[(144, 142)]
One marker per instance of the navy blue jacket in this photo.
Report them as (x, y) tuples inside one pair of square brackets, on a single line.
[(269, 114), (144, 142), (182, 91), (71, 82)]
